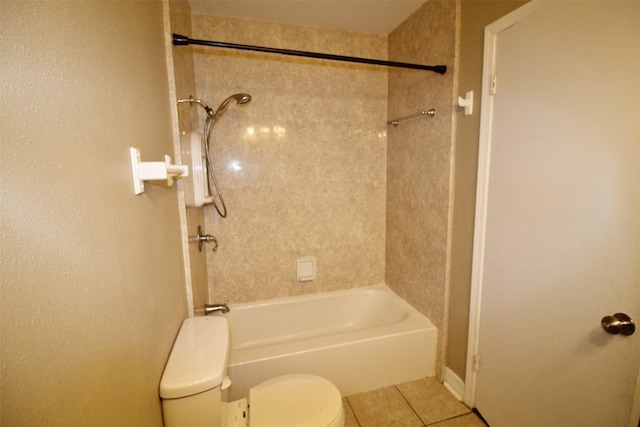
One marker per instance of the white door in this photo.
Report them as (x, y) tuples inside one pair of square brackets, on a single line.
[(557, 243)]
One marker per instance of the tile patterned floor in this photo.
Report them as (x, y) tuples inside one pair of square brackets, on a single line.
[(419, 403)]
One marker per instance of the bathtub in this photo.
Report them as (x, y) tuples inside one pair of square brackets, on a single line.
[(359, 339)]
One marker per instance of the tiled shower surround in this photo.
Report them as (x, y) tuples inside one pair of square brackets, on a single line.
[(419, 160), (302, 166), (310, 167)]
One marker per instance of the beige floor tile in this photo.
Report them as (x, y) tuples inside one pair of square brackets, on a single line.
[(384, 407), (431, 401), (349, 418), (469, 420)]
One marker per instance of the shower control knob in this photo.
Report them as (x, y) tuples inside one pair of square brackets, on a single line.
[(619, 323), (203, 238)]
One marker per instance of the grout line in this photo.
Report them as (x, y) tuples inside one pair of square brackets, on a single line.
[(353, 412), (410, 406), (448, 419)]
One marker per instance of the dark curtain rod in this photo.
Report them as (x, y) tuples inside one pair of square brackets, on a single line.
[(179, 40)]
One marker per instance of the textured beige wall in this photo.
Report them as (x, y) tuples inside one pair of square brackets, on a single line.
[(302, 167), (475, 15), (92, 275), (418, 163)]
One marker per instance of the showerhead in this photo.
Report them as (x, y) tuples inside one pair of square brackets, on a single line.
[(240, 98)]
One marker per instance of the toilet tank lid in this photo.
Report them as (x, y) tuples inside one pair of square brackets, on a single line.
[(198, 360)]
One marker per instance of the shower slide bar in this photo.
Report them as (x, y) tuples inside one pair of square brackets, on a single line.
[(179, 40), (430, 113)]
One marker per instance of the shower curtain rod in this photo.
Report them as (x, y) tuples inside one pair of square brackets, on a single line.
[(179, 40)]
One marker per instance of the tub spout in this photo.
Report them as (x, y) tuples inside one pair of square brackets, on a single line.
[(212, 308)]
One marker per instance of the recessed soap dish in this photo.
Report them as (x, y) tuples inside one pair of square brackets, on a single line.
[(306, 269)]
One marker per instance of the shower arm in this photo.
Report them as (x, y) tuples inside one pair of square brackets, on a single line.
[(179, 40), (193, 100)]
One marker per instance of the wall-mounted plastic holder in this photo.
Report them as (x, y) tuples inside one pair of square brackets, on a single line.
[(305, 269), (160, 172), (466, 103), (196, 187)]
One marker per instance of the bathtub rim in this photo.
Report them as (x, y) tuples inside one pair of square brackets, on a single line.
[(414, 322), (250, 366), (328, 294)]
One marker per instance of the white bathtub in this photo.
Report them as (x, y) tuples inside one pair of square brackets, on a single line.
[(359, 339)]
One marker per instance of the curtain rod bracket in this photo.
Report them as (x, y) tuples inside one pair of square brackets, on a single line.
[(180, 40)]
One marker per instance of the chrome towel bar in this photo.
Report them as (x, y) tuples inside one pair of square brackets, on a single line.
[(430, 113)]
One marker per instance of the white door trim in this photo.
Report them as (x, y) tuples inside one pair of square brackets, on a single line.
[(491, 34)]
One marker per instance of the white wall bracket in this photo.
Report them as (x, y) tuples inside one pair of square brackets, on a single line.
[(466, 103), (154, 171)]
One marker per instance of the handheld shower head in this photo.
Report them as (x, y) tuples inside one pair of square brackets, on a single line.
[(240, 98)]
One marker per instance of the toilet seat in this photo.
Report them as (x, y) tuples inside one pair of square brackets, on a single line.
[(298, 400)]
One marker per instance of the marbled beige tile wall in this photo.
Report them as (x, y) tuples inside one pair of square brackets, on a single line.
[(302, 167), (419, 163), (185, 84)]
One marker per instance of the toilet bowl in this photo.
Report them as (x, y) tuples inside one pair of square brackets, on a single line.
[(194, 379), (296, 400)]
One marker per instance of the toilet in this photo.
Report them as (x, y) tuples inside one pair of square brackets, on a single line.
[(195, 377)]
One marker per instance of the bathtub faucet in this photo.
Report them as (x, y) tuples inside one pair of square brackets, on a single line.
[(212, 308)]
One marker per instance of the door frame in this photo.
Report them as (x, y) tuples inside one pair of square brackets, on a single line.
[(491, 34)]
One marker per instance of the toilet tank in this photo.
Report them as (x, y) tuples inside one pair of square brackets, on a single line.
[(190, 384)]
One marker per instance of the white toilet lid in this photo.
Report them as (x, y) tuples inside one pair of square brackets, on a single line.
[(299, 400)]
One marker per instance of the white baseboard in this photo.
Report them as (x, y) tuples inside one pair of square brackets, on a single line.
[(454, 384)]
